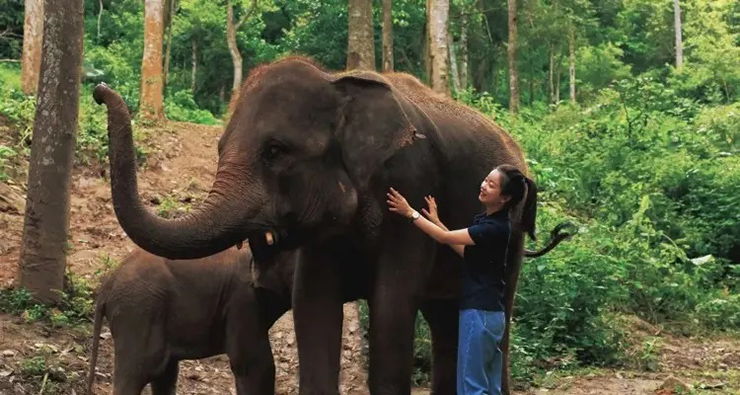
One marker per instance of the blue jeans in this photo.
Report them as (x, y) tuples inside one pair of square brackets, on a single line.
[(479, 358)]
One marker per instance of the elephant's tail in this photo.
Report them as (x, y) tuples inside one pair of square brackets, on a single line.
[(98, 325), (529, 216), (556, 236)]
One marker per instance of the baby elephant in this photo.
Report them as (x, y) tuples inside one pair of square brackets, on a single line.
[(161, 311)]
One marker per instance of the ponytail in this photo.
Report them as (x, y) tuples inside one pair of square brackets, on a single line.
[(515, 185)]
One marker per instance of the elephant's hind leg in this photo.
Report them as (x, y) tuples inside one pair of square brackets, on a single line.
[(166, 383)]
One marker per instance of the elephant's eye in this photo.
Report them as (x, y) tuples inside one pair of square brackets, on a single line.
[(274, 151)]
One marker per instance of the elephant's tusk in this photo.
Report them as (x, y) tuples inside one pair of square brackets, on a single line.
[(269, 238)]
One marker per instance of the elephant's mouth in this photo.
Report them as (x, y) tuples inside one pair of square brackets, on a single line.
[(264, 245)]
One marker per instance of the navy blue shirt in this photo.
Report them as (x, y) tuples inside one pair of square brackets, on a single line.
[(483, 275)]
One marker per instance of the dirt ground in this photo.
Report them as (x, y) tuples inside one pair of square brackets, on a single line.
[(180, 169)]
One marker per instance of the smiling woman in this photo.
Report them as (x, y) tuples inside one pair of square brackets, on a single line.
[(484, 247)]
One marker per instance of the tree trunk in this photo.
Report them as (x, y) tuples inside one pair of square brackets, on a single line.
[(236, 56), (453, 63), (168, 45), (361, 45), (679, 39), (464, 52), (45, 226), (152, 106), (427, 45), (33, 29), (513, 76), (551, 86), (572, 69), (438, 15), (388, 35), (194, 69), (100, 16), (531, 90), (557, 83)]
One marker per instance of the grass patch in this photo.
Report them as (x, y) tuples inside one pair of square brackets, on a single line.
[(76, 307)]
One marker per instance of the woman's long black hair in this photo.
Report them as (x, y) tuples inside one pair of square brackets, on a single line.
[(515, 184)]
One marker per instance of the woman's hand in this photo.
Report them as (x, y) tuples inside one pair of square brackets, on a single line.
[(432, 212), (398, 204)]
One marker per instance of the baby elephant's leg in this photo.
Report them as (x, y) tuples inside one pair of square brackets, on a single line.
[(129, 376), (166, 383)]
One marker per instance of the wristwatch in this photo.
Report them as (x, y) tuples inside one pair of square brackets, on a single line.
[(414, 216)]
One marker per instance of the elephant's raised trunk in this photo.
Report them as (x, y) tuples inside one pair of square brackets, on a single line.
[(213, 227)]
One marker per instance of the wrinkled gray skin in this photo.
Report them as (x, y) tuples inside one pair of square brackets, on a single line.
[(309, 156), (161, 311)]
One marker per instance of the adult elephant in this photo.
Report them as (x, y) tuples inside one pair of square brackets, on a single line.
[(305, 162)]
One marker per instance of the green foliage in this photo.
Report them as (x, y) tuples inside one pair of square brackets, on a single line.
[(75, 308), (44, 373), (181, 107)]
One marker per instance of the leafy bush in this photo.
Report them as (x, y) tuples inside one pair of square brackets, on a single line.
[(181, 107), (75, 308)]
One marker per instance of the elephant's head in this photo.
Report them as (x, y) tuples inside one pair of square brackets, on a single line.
[(295, 159)]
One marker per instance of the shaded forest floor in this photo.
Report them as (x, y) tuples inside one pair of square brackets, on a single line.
[(178, 173)]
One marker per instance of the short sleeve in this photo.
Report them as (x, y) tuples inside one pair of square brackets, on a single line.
[(484, 233)]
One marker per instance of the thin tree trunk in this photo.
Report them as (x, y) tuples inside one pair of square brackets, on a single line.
[(426, 47), (168, 44), (438, 16), (360, 45), (551, 89), (194, 69), (100, 16), (557, 81), (453, 63), (46, 222), (152, 106), (531, 90), (464, 52), (236, 57), (572, 69), (679, 39), (33, 30), (513, 75), (388, 63)]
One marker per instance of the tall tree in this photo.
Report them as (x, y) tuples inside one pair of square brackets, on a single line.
[(236, 56), (169, 15), (572, 68), (464, 51), (387, 35), (453, 62), (33, 29), (45, 227), (438, 15), (152, 105), (679, 39), (360, 45), (511, 49)]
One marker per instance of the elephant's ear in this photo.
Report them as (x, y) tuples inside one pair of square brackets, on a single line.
[(374, 125)]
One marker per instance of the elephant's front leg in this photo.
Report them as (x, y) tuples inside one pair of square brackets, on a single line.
[(402, 271), (317, 316)]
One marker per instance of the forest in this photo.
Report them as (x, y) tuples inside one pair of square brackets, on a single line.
[(628, 112)]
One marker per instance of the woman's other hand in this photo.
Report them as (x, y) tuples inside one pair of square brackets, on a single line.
[(432, 213)]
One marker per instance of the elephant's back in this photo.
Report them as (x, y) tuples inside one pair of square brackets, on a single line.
[(463, 132)]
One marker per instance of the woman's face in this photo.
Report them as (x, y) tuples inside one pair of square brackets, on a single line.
[(490, 189)]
